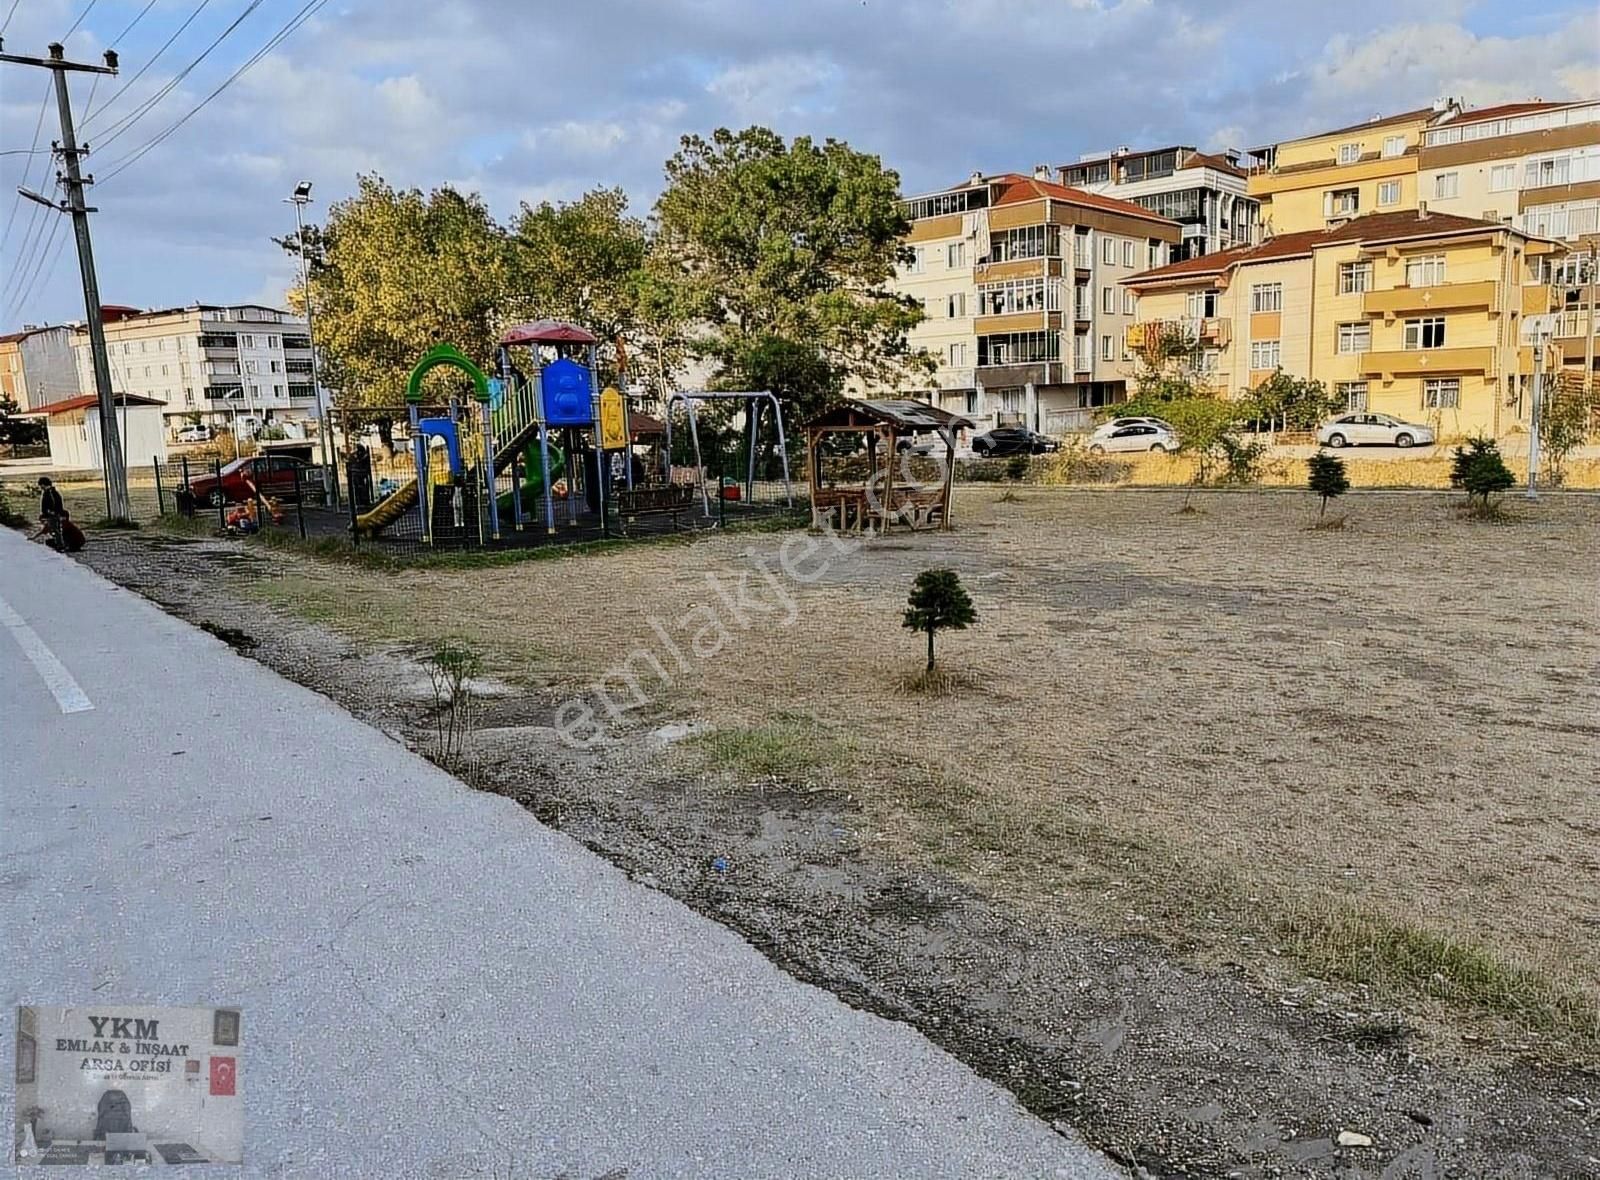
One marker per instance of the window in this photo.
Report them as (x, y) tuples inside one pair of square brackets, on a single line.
[(1202, 305), (1354, 277), (955, 306), (1341, 202), (913, 264), (1425, 333), (958, 356), (1154, 258), (1128, 303), (1108, 251), (1447, 185), (1502, 177), (1108, 349), (1354, 394), (277, 366), (247, 341), (1108, 299), (1356, 337), (272, 341), (1266, 297), (1129, 254), (277, 391), (1394, 145), (1263, 354), (250, 366), (1441, 393), (955, 254), (1425, 270), (1349, 153), (1389, 192)]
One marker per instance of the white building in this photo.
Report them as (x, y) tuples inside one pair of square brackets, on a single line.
[(1204, 193), (242, 366), (73, 426)]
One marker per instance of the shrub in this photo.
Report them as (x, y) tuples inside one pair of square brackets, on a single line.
[(981, 471), (1017, 467), (938, 602), (1479, 470), (1241, 460)]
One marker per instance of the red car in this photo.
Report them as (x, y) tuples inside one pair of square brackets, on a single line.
[(274, 475)]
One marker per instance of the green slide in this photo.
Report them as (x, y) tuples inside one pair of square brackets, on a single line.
[(533, 483)]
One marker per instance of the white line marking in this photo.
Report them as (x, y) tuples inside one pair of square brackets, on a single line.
[(52, 671)]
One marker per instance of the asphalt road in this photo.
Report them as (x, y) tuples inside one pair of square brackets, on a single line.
[(432, 983)]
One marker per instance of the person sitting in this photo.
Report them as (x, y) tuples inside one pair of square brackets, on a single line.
[(52, 510)]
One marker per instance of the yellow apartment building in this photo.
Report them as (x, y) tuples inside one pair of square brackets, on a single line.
[(1020, 282), (1323, 179), (1414, 314)]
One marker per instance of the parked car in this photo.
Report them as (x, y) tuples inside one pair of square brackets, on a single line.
[(1106, 429), (273, 475), (1373, 430), (191, 434), (1012, 440), (1137, 436)]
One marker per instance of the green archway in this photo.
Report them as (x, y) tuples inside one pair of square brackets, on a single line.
[(445, 354)]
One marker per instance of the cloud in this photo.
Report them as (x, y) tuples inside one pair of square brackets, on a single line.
[(497, 96)]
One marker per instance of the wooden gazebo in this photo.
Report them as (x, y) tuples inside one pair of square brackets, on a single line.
[(896, 433)]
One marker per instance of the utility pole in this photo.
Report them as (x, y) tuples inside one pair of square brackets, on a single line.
[(330, 472), (116, 472), (1540, 335)]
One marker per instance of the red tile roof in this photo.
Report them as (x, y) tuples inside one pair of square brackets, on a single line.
[(1018, 189), (1215, 163), (1511, 108), (1374, 227), (84, 401), (1380, 121)]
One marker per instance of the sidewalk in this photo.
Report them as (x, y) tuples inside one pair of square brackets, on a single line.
[(432, 983)]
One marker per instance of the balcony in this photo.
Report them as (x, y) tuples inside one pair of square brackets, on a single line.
[(1445, 297), (1207, 331), (1427, 362), (1015, 321)]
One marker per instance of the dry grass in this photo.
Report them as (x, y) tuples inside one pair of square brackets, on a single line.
[(1426, 471), (1199, 727)]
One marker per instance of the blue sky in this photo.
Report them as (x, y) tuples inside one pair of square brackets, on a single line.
[(483, 95)]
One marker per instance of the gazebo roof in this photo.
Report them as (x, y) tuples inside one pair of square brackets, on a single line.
[(903, 414), (549, 332)]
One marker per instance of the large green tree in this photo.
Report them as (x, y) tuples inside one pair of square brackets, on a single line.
[(396, 271), (783, 252)]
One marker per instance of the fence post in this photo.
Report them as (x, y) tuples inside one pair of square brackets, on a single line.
[(355, 533), (722, 502), (300, 503), (161, 499), (222, 499)]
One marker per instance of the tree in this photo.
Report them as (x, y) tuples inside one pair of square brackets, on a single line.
[(15, 431), (1565, 421), (784, 252), (1325, 476), (1297, 403), (395, 272), (588, 261), (1479, 470), (938, 602)]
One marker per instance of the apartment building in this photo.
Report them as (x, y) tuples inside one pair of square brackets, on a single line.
[(37, 365), (1020, 280), (1320, 180), (244, 365), (1412, 313), (1205, 194)]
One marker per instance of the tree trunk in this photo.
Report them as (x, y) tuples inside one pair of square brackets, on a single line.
[(930, 649), (1324, 510)]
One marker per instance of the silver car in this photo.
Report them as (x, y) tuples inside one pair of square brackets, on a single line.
[(1136, 436), (1355, 430)]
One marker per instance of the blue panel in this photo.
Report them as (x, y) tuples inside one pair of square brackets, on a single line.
[(566, 394)]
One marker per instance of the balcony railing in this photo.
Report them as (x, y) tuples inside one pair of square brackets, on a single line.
[(1211, 331)]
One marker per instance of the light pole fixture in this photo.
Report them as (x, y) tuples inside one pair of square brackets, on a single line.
[(330, 474)]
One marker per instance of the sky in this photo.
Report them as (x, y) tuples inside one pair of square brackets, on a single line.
[(524, 101)]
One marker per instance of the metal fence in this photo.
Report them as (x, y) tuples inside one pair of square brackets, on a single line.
[(263, 494)]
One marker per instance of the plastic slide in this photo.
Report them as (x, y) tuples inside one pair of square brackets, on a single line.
[(533, 483), (388, 510)]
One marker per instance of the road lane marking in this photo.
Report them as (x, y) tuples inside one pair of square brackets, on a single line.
[(52, 671)]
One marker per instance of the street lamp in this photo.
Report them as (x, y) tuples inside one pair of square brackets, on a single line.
[(330, 473), (1540, 328)]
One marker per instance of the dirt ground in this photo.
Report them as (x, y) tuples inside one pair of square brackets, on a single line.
[(1228, 836)]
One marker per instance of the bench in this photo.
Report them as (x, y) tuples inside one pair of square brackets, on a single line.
[(655, 500)]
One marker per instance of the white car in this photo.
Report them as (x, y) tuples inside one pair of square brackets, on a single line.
[(1106, 429), (1354, 430), (1135, 436), (195, 434)]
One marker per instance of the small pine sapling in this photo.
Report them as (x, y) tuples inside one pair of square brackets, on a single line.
[(1325, 476), (938, 602), (1479, 471)]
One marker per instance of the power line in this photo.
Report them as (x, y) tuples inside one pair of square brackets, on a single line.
[(306, 13), (81, 15), (90, 116), (16, 202), (117, 40), (25, 288), (122, 125), (9, 15)]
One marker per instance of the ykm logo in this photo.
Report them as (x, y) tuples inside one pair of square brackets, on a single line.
[(125, 1027)]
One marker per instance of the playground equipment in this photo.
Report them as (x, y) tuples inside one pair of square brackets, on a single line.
[(754, 403)]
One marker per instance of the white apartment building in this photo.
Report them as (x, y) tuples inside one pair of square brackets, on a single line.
[(1020, 281), (243, 366), (1204, 193)]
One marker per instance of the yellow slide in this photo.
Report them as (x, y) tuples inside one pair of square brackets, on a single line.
[(389, 510)]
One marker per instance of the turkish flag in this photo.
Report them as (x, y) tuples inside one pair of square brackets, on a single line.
[(224, 1076)]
